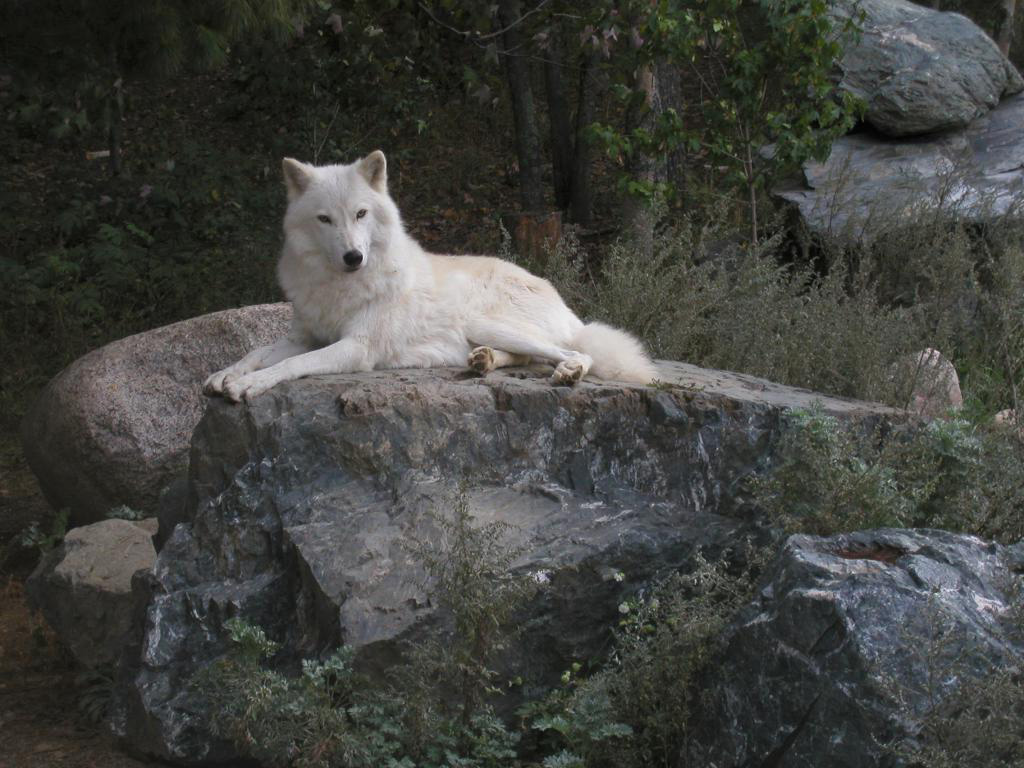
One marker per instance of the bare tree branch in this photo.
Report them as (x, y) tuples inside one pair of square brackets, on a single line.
[(479, 37)]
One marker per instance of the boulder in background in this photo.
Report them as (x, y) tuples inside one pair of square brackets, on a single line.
[(870, 183), (919, 70), (113, 428)]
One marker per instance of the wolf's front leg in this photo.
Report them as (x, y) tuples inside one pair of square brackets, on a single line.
[(345, 356), (261, 357)]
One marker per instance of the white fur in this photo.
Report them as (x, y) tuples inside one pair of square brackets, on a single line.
[(405, 308)]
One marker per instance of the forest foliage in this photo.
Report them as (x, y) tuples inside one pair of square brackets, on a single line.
[(621, 105)]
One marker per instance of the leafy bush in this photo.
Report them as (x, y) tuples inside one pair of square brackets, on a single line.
[(979, 727), (764, 72), (969, 718), (637, 711), (278, 720), (829, 478), (843, 322), (959, 287), (190, 241), (475, 587), (711, 302)]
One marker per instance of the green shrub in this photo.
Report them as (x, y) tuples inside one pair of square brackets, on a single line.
[(192, 240), (829, 478), (996, 379), (316, 719), (979, 727), (637, 711), (960, 288), (968, 719), (706, 300), (433, 711), (843, 323)]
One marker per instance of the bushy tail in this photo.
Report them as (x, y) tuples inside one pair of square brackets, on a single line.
[(617, 355)]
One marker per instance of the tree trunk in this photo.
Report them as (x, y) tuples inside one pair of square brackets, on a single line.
[(558, 118), (531, 190), (534, 236), (114, 115), (1006, 28), (645, 168), (669, 77), (581, 194)]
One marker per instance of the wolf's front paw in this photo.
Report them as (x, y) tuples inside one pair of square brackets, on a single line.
[(481, 360), (248, 386), (567, 373), (215, 383)]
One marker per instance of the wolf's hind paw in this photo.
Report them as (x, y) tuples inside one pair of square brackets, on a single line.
[(567, 373), (481, 360)]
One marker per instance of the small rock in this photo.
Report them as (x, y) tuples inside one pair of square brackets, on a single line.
[(936, 386), (83, 587), (1008, 419)]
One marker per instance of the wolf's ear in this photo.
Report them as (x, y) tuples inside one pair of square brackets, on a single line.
[(296, 176), (374, 169)]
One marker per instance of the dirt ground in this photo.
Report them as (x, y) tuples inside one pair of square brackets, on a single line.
[(41, 724)]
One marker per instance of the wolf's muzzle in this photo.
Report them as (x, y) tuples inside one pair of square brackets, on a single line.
[(353, 260)]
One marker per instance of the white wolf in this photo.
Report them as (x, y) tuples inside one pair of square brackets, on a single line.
[(366, 296)]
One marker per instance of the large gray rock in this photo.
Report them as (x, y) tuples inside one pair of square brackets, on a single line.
[(851, 640), (113, 427), (870, 183), (84, 587), (301, 503), (919, 70)]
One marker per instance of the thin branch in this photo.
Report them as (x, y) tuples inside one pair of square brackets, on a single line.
[(317, 149), (478, 37)]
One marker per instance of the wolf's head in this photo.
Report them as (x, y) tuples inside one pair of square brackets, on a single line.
[(341, 214)]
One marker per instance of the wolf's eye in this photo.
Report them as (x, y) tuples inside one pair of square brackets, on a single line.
[(360, 213), (323, 219)]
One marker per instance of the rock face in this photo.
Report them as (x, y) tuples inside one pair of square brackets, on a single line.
[(833, 660), (869, 183), (301, 503), (921, 71), (113, 428), (84, 586)]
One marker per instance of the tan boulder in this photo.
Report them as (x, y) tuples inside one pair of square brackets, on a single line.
[(1008, 419), (936, 386), (84, 587), (114, 427)]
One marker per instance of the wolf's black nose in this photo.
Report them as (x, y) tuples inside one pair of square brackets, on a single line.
[(352, 259)]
